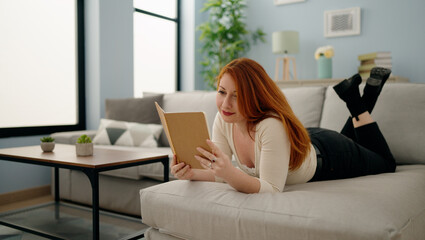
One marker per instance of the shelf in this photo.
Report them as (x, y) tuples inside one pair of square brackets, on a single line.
[(329, 82)]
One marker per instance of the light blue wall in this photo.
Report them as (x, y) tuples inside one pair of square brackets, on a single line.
[(17, 176), (386, 25), (109, 54), (199, 18)]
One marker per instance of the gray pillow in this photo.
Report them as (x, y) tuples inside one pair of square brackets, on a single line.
[(141, 110)]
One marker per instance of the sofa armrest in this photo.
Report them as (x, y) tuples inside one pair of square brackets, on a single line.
[(72, 136)]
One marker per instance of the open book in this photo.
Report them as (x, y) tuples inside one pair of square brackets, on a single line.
[(185, 132)]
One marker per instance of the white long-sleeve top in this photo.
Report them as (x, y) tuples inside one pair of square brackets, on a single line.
[(272, 153)]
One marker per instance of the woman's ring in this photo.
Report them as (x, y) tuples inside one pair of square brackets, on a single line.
[(214, 159), (210, 165)]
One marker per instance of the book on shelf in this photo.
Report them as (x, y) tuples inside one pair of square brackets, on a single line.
[(374, 55), (365, 74), (377, 61), (185, 132), (369, 67)]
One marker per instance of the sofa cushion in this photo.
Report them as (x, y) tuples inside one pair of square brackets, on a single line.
[(399, 114), (123, 133), (197, 101), (307, 103), (384, 206), (141, 110)]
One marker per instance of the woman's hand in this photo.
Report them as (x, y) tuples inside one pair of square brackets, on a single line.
[(216, 161), (181, 170)]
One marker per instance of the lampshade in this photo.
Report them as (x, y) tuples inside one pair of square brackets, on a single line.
[(286, 42)]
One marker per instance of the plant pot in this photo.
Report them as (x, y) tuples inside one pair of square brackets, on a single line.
[(84, 149), (47, 146)]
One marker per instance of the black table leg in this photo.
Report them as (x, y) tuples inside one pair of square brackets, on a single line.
[(56, 184), (94, 180), (57, 210), (166, 163)]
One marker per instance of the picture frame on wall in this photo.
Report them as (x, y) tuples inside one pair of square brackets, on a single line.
[(281, 2)]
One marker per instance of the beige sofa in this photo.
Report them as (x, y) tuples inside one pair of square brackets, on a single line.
[(384, 206), (119, 189)]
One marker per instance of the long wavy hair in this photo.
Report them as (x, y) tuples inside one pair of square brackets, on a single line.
[(259, 98)]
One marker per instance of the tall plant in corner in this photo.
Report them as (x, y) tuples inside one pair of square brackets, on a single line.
[(224, 36)]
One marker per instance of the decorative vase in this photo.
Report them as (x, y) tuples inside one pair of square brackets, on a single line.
[(47, 146), (324, 67), (84, 149)]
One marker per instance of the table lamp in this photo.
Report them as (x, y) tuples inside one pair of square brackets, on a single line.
[(285, 42)]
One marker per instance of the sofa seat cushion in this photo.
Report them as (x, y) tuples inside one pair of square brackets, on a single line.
[(385, 206), (399, 114), (153, 170)]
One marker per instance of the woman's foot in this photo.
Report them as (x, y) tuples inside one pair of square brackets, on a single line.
[(348, 91), (348, 88), (374, 85)]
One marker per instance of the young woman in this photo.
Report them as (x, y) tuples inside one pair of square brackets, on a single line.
[(256, 125)]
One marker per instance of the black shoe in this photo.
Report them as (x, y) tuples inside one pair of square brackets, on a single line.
[(348, 91), (348, 87), (374, 85)]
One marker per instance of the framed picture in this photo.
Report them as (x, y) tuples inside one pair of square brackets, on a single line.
[(342, 22), (280, 2)]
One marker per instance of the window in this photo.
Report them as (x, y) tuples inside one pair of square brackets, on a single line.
[(41, 66), (156, 46)]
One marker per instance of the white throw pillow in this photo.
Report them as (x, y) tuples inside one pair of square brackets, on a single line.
[(122, 133)]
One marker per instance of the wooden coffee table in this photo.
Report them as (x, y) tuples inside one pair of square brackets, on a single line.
[(64, 156)]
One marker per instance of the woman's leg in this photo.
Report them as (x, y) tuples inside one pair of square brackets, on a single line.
[(370, 136), (373, 88), (343, 158), (348, 129), (366, 131)]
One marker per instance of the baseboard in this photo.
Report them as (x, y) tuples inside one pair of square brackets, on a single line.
[(26, 194)]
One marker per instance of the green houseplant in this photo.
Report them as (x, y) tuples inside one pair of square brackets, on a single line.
[(84, 146), (47, 144), (224, 36)]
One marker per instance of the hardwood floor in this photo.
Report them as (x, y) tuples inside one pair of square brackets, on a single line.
[(26, 203), (25, 198)]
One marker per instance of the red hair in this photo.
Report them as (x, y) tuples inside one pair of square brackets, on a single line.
[(259, 98)]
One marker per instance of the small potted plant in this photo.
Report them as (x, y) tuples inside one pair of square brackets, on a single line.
[(84, 146), (47, 144)]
